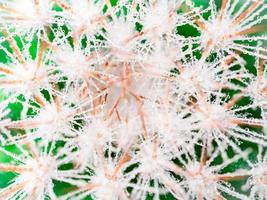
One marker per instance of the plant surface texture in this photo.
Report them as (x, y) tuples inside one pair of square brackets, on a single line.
[(133, 99)]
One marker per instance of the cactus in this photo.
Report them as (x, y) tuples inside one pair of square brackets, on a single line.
[(133, 99)]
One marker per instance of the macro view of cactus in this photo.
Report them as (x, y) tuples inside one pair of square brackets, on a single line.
[(133, 99)]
